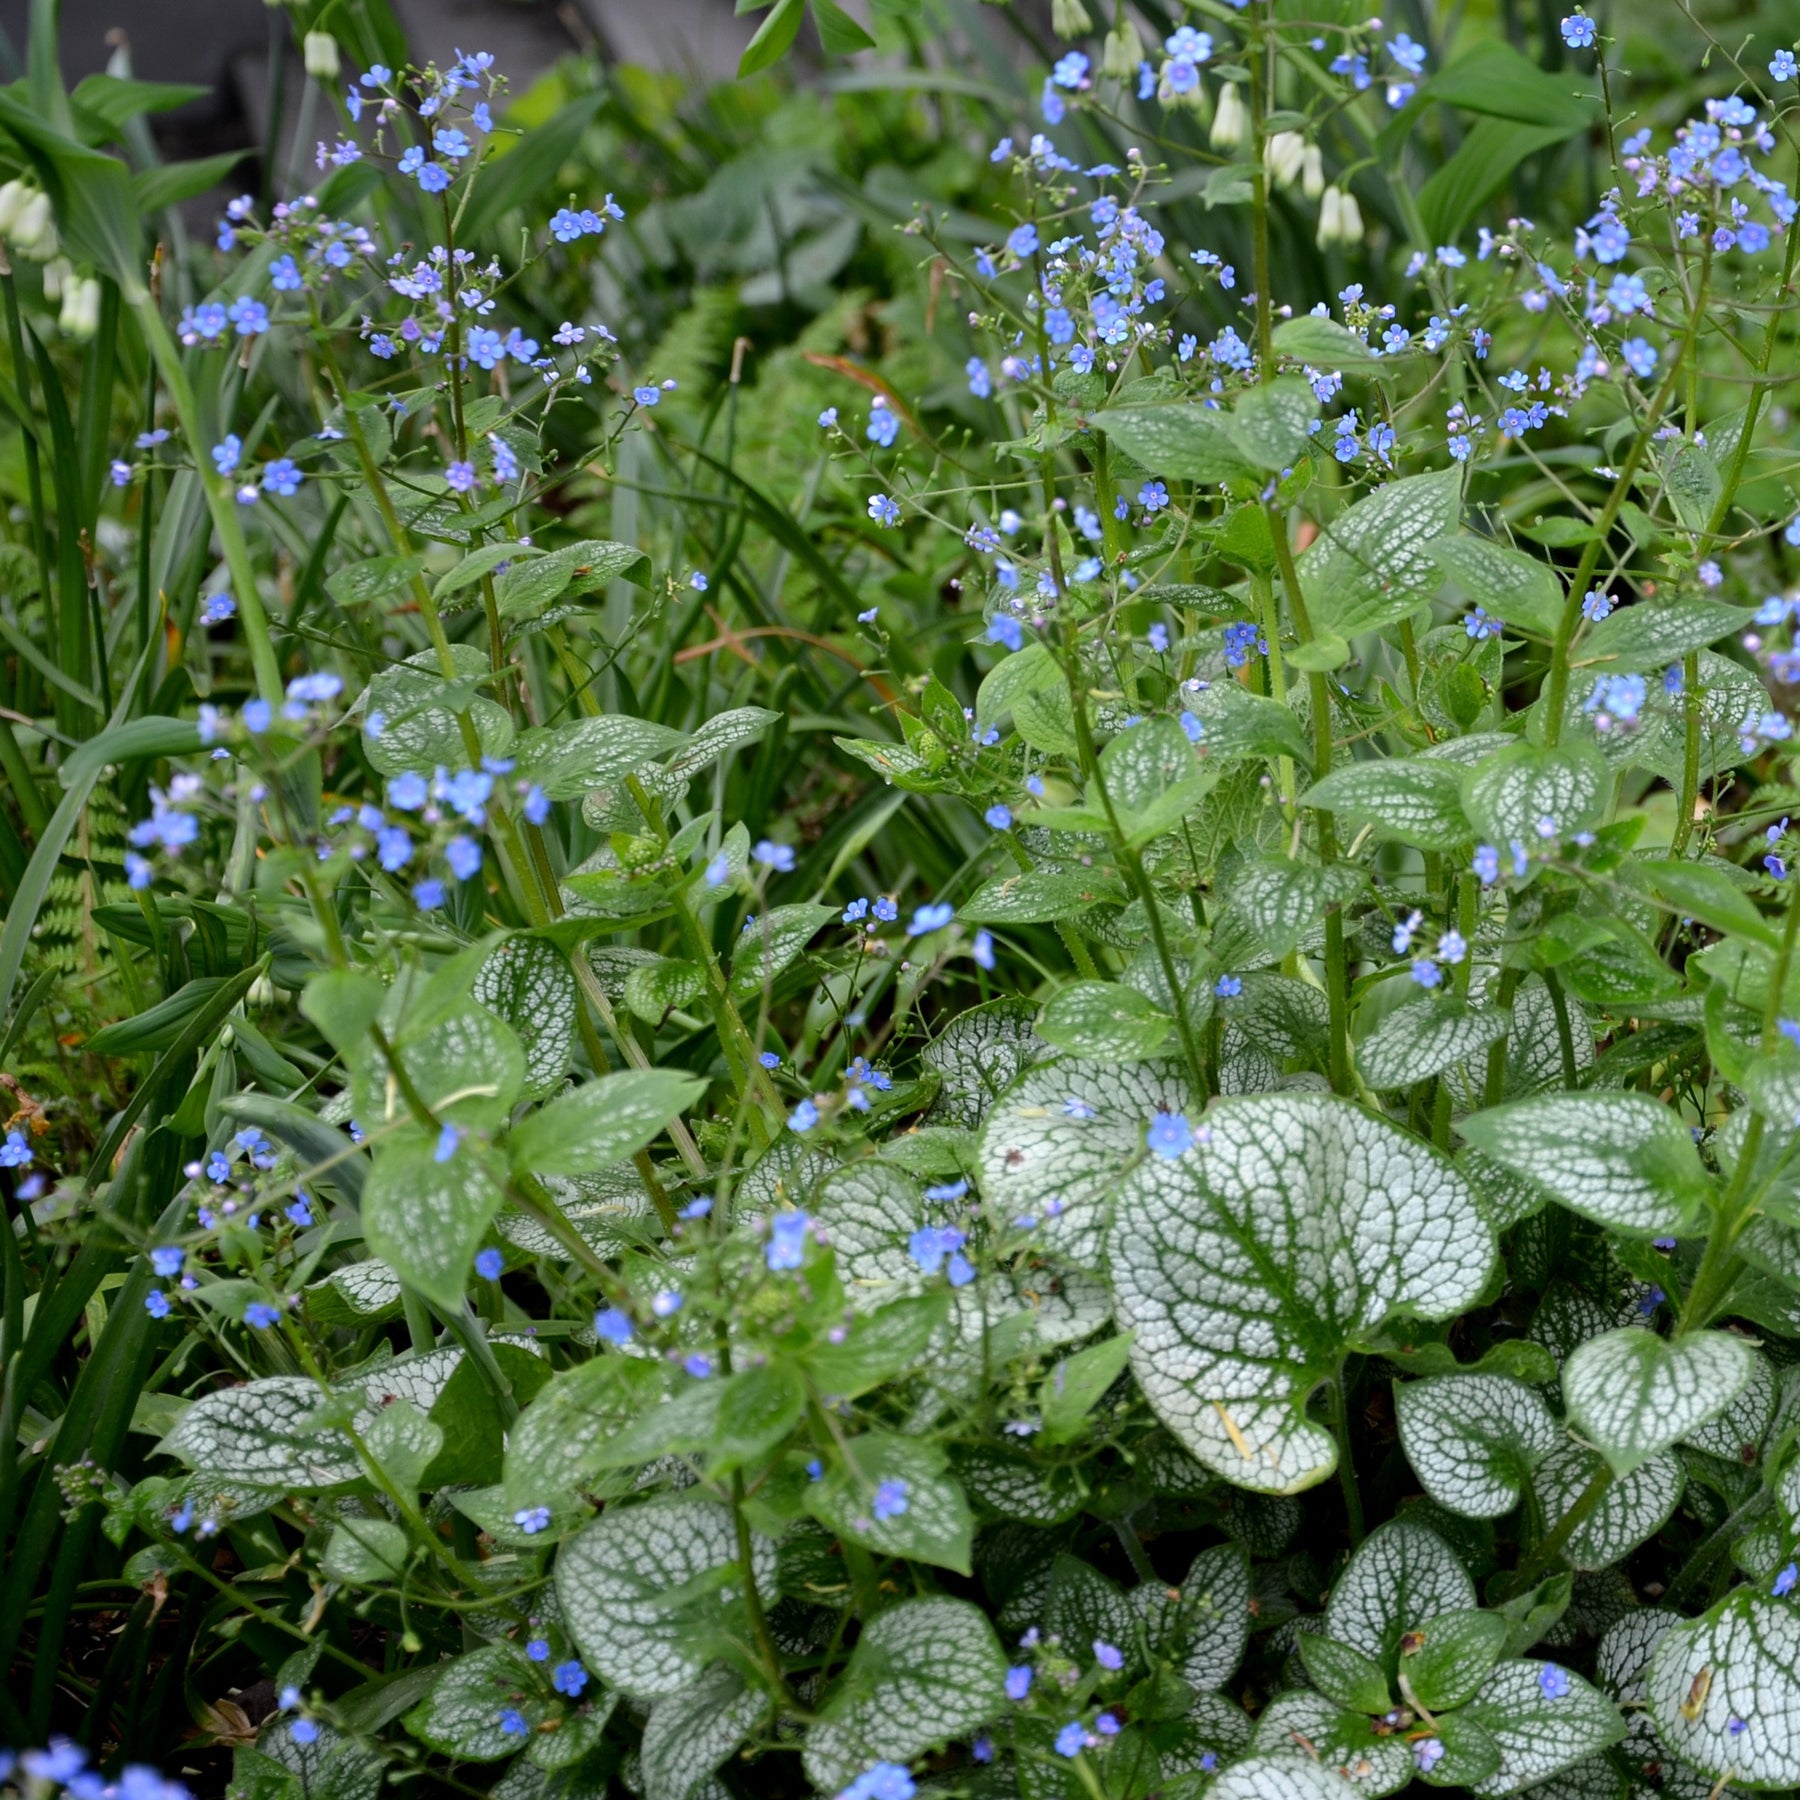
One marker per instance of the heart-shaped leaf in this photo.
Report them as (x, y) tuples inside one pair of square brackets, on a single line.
[(1631, 1393), (1291, 1231), (1473, 1440)]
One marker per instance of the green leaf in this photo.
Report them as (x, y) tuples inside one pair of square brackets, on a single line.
[(838, 32), (1372, 566), (1631, 1393), (1183, 442), (1408, 800), (1401, 1576), (1706, 893), (1272, 423), (1634, 1506), (1621, 1159), (602, 1121), (1282, 901), (374, 578), (1539, 1734), (1452, 1660), (1251, 1265), (649, 1591), (558, 1443), (169, 184), (1065, 1134), (1324, 343), (1481, 165), (1510, 584), (926, 1517), (774, 37), (1105, 1021), (1511, 794), (690, 1733), (364, 1551), (922, 1673), (1422, 1038), (1473, 1440), (427, 1218), (1651, 635), (1240, 723), (1344, 1676), (461, 1715), (1724, 1690), (1076, 1386), (762, 1405), (1037, 897), (878, 1346)]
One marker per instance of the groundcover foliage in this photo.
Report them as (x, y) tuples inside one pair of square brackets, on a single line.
[(1063, 1063)]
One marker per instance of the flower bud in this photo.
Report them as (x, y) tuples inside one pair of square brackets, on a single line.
[(12, 202), (321, 52), (1331, 213), (1229, 121), (1122, 52), (1284, 156), (1069, 19), (57, 271), (1312, 173), (80, 317), (1350, 220), (34, 231)]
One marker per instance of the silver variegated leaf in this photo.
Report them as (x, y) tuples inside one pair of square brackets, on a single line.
[(1473, 1440), (1634, 1506), (979, 1055), (1204, 1631), (1542, 1726), (461, 1715), (1295, 1226), (1295, 1777), (1055, 1146), (1373, 565), (922, 1673), (1417, 801), (1736, 1434), (1622, 1159), (1425, 1037), (609, 1209), (1282, 901), (1304, 1724), (867, 1211), (1632, 1393), (1517, 790), (1401, 1576), (1622, 1662), (642, 1595), (261, 1433), (528, 983), (1725, 1690), (690, 1733)]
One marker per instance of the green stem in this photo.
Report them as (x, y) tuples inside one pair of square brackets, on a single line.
[(1346, 1467), (221, 503), (1548, 1548)]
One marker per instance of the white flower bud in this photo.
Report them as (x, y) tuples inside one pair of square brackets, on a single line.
[(1123, 51), (12, 202), (1069, 19), (1284, 156), (1331, 212), (34, 231), (80, 317), (321, 53), (56, 271), (1312, 175), (1230, 121), (1350, 220)]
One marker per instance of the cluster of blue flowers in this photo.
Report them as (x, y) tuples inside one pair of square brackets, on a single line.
[(62, 1767)]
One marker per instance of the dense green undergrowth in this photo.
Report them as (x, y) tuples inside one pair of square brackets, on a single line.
[(912, 931)]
